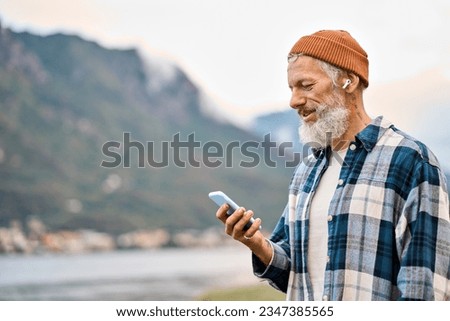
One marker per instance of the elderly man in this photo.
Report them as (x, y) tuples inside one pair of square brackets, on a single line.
[(368, 214)]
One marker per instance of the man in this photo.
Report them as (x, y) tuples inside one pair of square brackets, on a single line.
[(374, 226)]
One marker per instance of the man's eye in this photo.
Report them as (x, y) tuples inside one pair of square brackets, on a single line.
[(307, 86)]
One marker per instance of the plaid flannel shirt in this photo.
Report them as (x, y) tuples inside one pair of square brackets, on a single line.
[(388, 224)]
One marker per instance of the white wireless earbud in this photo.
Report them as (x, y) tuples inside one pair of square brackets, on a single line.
[(347, 82)]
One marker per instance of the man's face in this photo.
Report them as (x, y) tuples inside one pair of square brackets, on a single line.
[(318, 102)]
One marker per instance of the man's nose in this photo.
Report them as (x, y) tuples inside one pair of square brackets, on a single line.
[(298, 99)]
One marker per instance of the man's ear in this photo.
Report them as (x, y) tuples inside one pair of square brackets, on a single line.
[(350, 82)]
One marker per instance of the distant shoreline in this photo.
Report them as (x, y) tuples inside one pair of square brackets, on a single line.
[(36, 239)]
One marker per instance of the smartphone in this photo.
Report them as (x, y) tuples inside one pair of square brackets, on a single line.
[(221, 198)]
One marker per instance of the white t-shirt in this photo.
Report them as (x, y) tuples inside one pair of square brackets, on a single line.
[(318, 226)]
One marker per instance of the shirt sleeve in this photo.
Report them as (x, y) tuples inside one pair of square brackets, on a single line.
[(423, 237), (277, 272)]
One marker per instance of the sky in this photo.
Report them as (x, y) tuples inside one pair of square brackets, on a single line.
[(235, 50)]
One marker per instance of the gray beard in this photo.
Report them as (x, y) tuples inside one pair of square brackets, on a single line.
[(332, 123)]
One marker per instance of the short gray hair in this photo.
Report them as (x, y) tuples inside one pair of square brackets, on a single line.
[(333, 72)]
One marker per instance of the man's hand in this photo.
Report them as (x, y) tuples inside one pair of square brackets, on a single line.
[(252, 238)]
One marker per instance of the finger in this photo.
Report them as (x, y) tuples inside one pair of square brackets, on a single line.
[(233, 219), (239, 227), (221, 213), (253, 228)]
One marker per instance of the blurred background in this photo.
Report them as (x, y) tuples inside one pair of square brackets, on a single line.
[(75, 75)]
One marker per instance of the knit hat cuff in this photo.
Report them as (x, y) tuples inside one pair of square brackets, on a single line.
[(335, 52)]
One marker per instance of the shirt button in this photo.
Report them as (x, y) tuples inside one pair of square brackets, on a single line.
[(325, 298), (340, 182), (352, 147), (329, 218)]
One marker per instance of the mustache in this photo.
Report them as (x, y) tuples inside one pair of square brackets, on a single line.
[(320, 110)]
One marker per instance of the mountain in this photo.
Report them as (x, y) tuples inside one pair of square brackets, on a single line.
[(76, 122), (282, 126)]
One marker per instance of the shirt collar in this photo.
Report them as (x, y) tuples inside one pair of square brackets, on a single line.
[(370, 135), (317, 152)]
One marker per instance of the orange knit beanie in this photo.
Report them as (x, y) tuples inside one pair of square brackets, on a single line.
[(337, 47)]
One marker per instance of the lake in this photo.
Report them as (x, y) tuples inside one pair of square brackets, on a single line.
[(163, 274)]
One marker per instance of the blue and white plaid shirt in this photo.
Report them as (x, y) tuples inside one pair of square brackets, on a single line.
[(388, 224)]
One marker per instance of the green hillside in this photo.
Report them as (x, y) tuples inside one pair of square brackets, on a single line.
[(62, 98)]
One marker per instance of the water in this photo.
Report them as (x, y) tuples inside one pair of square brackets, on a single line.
[(166, 274)]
